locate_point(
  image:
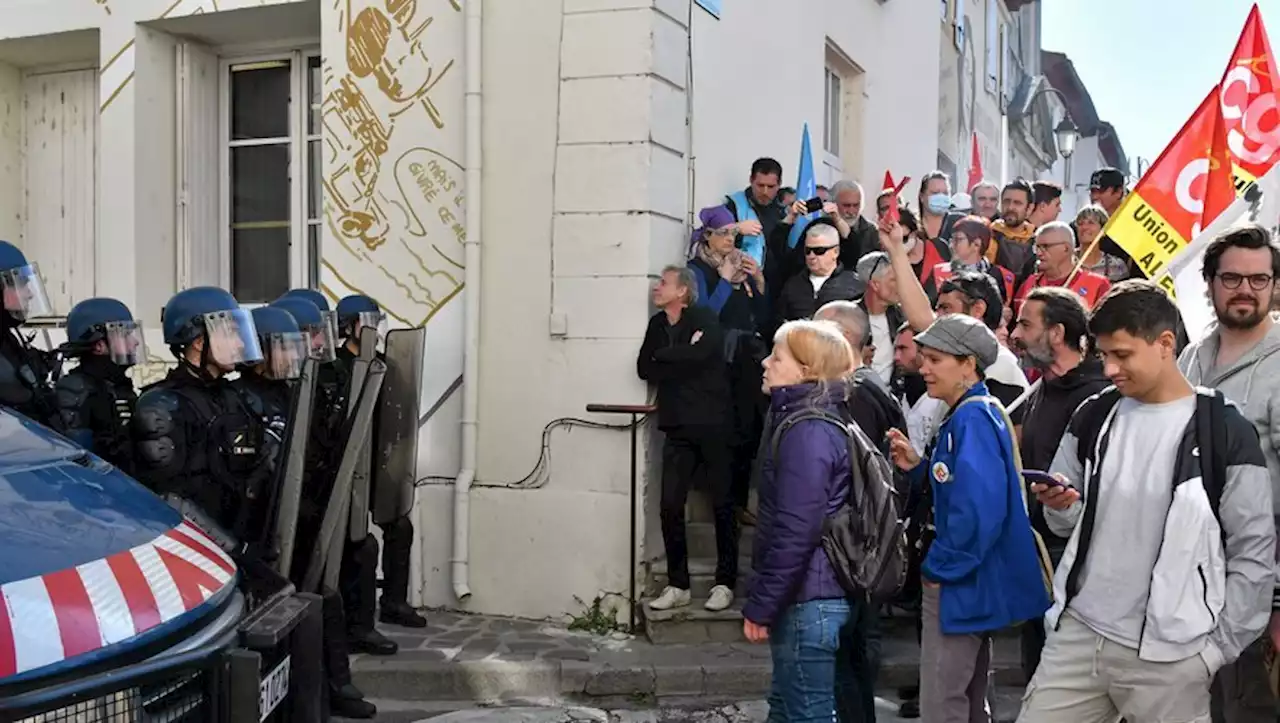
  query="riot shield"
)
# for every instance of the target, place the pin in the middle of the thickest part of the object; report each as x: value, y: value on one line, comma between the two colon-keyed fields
x: 293, y: 465
x: 336, y: 514
x: 359, y: 518
x: 395, y: 442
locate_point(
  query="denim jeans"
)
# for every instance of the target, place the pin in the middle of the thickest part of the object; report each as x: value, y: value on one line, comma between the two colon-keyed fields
x: 816, y: 667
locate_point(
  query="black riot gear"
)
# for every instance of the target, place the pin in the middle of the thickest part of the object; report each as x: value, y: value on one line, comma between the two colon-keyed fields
x: 96, y: 404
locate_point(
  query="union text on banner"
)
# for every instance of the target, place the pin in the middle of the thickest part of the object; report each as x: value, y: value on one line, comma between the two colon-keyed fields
x: 1249, y: 104
x: 1179, y: 194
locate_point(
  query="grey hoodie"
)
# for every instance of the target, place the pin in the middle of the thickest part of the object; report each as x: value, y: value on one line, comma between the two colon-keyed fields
x: 1253, y: 383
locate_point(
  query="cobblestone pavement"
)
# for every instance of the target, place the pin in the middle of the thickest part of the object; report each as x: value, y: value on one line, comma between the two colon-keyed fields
x: 492, y: 660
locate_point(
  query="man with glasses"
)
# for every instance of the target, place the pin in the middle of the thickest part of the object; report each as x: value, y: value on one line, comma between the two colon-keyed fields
x: 880, y: 302
x: 1055, y: 248
x: 824, y: 279
x: 1240, y: 357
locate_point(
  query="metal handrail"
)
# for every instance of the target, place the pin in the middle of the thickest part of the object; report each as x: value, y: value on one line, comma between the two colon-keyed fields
x: 637, y: 412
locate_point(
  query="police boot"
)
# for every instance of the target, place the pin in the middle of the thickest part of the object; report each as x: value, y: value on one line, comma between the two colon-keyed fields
x: 371, y: 642
x: 349, y: 702
x: 401, y: 613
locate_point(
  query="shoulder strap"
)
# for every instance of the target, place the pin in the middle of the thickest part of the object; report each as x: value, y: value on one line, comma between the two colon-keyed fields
x: 1211, y: 438
x: 795, y: 419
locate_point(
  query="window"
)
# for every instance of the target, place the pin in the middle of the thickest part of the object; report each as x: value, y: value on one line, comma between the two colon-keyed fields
x: 833, y: 103
x: 1006, y: 67
x: 945, y: 15
x: 961, y: 25
x: 271, y: 174
x: 992, y: 44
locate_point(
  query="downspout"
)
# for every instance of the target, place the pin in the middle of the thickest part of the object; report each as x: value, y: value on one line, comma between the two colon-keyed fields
x: 461, y: 558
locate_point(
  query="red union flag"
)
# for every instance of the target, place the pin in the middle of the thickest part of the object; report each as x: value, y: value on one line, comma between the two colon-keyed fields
x: 1249, y: 104
x: 1187, y: 187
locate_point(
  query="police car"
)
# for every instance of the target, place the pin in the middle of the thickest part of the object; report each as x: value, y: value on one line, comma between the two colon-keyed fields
x: 113, y: 607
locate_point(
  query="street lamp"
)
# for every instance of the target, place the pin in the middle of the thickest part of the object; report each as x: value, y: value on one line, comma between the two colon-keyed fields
x: 1066, y: 135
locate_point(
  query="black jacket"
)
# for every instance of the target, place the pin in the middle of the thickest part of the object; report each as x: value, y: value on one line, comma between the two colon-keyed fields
x: 1046, y: 414
x: 798, y: 300
x: 863, y: 238
x: 875, y: 411
x: 692, y: 379
x: 96, y: 402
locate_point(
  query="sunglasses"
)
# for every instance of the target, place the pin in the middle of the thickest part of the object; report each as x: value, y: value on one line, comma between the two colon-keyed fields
x: 817, y: 250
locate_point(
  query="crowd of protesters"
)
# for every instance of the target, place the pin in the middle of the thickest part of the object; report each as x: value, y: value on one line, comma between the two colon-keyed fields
x: 1059, y: 468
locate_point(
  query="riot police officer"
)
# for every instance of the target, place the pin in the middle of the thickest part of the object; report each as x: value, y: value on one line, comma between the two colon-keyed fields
x: 96, y: 399
x: 196, y: 442
x: 359, y: 574
x: 25, y: 372
x: 356, y: 313
x: 265, y: 387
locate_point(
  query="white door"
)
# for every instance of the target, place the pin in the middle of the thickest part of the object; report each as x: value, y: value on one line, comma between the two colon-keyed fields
x: 61, y: 112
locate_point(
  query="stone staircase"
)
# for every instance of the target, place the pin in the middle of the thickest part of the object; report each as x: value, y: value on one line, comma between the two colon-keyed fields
x: 694, y: 624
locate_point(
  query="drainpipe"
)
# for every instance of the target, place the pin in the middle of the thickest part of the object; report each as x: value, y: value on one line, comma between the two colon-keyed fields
x: 471, y: 320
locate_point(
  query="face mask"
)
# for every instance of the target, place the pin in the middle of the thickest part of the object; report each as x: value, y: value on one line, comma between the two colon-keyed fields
x: 939, y: 203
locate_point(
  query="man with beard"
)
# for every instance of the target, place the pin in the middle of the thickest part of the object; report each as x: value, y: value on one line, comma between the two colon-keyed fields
x: 858, y: 236
x: 1012, y: 233
x: 1240, y: 357
x: 1052, y: 337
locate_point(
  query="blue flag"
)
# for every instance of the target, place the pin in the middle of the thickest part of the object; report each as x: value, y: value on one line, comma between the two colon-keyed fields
x: 806, y: 188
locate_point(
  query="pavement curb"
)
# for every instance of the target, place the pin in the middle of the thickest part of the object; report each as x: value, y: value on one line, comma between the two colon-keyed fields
x: 499, y: 681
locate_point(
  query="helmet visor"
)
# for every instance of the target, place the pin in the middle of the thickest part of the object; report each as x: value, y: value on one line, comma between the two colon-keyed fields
x: 372, y: 320
x: 233, y: 339
x: 323, y: 338
x: 125, y: 344
x: 285, y: 354
x: 24, y: 293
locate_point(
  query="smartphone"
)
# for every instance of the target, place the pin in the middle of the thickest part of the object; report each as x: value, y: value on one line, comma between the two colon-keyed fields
x: 813, y: 205
x: 1042, y: 478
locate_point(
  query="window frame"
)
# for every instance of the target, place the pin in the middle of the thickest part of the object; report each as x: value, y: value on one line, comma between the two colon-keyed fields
x: 303, y: 265
x: 832, y: 102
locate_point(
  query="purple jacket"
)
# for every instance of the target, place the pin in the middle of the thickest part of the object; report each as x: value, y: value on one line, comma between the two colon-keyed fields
x: 807, y: 482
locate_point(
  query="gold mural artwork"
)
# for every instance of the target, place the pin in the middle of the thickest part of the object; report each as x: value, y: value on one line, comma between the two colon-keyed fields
x: 393, y: 204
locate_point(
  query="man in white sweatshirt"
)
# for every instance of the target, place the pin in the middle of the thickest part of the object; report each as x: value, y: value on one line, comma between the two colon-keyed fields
x: 1241, y: 358
x: 1163, y: 491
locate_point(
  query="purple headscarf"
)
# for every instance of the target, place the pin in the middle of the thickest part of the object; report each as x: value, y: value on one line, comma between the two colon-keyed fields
x: 710, y: 217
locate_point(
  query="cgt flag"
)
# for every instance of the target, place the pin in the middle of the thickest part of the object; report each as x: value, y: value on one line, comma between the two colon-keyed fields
x: 1187, y: 187
x: 1249, y: 105
x: 806, y: 188
x: 975, y: 165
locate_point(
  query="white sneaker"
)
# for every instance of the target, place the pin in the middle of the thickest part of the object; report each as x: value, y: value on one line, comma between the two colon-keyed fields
x: 672, y: 597
x: 720, y: 599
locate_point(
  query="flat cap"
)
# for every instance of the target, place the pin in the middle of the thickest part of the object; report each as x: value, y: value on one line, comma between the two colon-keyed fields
x: 961, y: 335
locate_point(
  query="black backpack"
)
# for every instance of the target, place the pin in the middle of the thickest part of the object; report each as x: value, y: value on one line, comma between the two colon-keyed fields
x: 866, y: 539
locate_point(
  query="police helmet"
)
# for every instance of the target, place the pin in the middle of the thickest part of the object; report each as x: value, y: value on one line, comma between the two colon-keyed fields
x: 320, y: 300
x: 358, y: 311
x: 23, y: 287
x: 283, y: 343
x: 109, y: 320
x: 313, y: 322
x: 212, y: 313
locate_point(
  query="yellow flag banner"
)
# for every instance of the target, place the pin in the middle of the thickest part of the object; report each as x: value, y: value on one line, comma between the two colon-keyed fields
x: 1186, y: 188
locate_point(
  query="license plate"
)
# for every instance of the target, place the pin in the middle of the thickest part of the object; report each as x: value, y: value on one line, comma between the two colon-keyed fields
x: 273, y: 689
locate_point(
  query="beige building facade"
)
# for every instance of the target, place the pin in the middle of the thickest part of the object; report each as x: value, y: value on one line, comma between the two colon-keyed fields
x: 509, y: 174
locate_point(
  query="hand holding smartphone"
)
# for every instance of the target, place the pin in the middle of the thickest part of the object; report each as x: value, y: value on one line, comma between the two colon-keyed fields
x: 813, y: 205
x: 1051, y: 490
x: 1036, y: 477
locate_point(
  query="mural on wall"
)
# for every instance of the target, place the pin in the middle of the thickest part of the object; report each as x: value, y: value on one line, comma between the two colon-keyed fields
x: 393, y: 141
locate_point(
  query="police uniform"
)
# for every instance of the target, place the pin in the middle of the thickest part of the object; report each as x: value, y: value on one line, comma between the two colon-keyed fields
x: 96, y: 403
x: 26, y: 373
x: 270, y: 400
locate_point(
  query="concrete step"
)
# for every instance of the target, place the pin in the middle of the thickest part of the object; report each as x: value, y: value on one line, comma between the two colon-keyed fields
x: 702, y: 577
x: 693, y: 624
x: 701, y: 538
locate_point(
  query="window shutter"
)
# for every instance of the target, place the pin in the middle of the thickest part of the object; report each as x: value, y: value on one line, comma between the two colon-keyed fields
x: 200, y: 256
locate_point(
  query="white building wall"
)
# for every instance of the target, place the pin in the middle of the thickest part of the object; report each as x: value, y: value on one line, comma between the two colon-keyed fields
x: 586, y: 187
x: 758, y: 77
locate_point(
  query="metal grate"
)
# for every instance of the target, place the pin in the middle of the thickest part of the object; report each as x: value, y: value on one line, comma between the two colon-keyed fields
x: 183, y: 699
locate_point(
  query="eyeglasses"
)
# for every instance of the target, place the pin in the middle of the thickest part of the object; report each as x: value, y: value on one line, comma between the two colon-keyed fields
x: 726, y: 231
x: 1046, y: 247
x: 817, y: 250
x: 1257, y: 282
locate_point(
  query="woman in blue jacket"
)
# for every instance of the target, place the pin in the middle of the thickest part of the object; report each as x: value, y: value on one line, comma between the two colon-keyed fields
x: 982, y: 571
x: 795, y: 601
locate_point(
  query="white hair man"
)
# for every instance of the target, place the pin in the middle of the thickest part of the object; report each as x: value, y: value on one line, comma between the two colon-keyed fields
x: 824, y: 279
x: 858, y: 236
x: 1057, y: 265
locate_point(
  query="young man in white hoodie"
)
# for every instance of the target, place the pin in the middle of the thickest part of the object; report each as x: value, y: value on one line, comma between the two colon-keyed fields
x: 1241, y: 358
x: 1163, y: 492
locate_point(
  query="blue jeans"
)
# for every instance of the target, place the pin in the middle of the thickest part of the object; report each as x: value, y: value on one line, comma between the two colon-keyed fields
x: 817, y: 669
